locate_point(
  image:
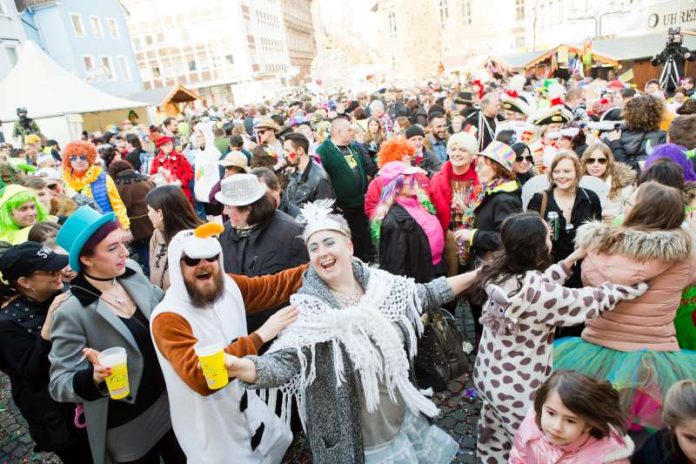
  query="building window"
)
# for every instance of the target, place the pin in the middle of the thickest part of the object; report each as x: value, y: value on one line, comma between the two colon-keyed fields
x: 12, y: 54
x: 108, y: 68
x: 444, y: 11
x: 192, y: 65
x: 124, y: 68
x: 519, y: 10
x: 136, y: 43
x: 156, y: 71
x: 96, y: 26
x: 466, y: 12
x: 88, y: 63
x: 78, y: 27
x: 113, y: 28
x: 392, y: 25
x: 229, y: 59
x: 148, y: 40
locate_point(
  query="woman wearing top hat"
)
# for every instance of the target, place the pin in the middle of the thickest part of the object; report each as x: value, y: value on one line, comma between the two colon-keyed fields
x: 34, y: 276
x: 110, y: 306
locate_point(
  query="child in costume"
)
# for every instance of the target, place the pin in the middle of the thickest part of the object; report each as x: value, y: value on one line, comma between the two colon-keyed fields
x: 574, y: 419
x: 634, y: 346
x: 524, y: 307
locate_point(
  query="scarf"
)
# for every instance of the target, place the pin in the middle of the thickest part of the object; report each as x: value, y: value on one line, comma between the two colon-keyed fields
x: 77, y: 181
x: 366, y: 332
x: 428, y: 222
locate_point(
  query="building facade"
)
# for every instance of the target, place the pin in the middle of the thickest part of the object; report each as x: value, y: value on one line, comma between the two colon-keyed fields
x: 551, y: 21
x: 90, y: 39
x: 299, y: 30
x: 218, y: 44
x: 11, y: 36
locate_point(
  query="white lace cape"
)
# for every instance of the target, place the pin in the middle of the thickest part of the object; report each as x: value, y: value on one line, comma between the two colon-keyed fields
x: 369, y: 336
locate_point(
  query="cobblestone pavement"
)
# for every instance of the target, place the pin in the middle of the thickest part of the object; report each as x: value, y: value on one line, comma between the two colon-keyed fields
x: 458, y: 416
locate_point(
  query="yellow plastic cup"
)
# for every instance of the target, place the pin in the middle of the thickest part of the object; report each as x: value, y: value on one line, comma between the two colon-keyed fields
x: 117, y: 382
x: 212, y: 358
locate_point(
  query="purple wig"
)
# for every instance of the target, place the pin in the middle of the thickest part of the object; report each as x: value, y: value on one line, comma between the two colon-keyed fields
x: 675, y: 153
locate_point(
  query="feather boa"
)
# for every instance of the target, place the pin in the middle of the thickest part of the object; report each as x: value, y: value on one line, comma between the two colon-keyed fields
x: 77, y: 182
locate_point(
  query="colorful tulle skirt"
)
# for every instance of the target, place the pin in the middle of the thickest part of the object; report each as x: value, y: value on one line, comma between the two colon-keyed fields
x: 641, y: 377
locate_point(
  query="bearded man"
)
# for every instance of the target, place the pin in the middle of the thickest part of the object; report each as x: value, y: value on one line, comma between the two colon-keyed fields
x: 230, y: 424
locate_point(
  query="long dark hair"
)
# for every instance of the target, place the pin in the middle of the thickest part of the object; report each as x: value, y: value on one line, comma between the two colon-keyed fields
x: 177, y: 212
x: 523, y: 238
x: 594, y: 401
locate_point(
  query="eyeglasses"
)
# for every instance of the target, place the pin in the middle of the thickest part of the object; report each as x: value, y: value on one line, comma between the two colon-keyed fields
x: 194, y: 261
x: 529, y: 159
x: 52, y: 186
x: 78, y: 158
x: 597, y: 160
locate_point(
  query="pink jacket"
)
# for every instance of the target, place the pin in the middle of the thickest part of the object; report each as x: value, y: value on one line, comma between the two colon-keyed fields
x: 531, y: 447
x: 374, y: 192
x: 663, y: 259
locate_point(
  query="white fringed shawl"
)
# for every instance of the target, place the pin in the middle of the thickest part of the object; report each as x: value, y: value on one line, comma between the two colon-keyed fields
x: 368, y: 334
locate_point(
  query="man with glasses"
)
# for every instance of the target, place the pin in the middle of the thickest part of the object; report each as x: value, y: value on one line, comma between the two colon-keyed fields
x: 267, y: 131
x: 203, y: 306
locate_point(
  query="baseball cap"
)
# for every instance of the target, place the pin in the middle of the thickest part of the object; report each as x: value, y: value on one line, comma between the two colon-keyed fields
x: 24, y: 259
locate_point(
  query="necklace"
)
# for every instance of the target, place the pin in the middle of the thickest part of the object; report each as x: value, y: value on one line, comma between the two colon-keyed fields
x: 348, y: 301
x: 118, y: 302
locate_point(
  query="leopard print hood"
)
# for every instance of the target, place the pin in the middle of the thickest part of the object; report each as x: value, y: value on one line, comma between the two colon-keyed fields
x: 662, y: 245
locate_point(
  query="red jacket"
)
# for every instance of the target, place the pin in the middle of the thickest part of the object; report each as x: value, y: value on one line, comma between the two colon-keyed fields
x: 374, y: 192
x: 440, y: 191
x: 178, y: 165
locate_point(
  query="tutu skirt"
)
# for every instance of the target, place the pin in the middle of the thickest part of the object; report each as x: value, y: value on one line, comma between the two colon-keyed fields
x: 418, y: 441
x: 641, y: 377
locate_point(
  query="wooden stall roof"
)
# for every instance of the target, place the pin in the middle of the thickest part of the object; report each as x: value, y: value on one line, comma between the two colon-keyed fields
x: 161, y: 96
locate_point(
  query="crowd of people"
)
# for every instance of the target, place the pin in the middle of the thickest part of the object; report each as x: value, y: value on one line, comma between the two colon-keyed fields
x: 312, y: 239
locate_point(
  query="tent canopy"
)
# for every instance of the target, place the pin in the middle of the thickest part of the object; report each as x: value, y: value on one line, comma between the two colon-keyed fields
x: 519, y: 61
x: 46, y: 89
x: 161, y: 96
x: 637, y: 47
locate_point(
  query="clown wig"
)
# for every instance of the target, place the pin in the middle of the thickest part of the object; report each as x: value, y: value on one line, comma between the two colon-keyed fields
x: 7, y: 222
x: 394, y: 150
x: 79, y: 147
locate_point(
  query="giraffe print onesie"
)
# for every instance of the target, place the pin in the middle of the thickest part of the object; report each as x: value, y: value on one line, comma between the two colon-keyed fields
x: 514, y: 358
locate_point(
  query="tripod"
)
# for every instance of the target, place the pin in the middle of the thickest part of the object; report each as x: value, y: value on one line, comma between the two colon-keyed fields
x: 669, y: 79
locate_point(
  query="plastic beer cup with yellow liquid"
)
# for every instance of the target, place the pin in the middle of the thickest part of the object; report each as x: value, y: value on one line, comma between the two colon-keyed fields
x: 212, y: 358
x: 117, y: 382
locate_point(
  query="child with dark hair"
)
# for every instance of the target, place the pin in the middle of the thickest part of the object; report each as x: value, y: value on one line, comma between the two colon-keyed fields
x: 675, y: 444
x: 524, y: 306
x: 574, y: 419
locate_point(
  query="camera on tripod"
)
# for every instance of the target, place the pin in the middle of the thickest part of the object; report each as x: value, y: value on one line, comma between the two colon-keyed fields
x: 673, y: 57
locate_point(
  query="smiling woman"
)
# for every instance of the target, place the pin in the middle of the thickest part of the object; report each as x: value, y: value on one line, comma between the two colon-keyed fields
x: 110, y: 306
x: 346, y: 358
x: 573, y: 204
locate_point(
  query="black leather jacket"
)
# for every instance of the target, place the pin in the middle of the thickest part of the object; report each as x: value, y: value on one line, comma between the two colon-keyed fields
x: 310, y: 185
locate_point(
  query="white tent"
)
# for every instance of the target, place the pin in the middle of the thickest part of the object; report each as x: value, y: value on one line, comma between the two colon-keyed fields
x: 53, y: 96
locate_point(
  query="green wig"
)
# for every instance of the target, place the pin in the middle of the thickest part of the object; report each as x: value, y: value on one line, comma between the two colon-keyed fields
x: 14, y: 202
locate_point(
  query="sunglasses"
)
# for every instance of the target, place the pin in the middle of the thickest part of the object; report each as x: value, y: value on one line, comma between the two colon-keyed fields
x: 52, y: 186
x: 529, y: 159
x: 78, y: 158
x: 597, y: 160
x: 194, y: 261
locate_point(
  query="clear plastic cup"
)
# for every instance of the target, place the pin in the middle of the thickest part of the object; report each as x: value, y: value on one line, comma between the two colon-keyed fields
x: 117, y: 383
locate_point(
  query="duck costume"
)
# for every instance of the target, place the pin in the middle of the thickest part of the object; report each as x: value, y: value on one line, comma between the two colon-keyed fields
x: 213, y: 426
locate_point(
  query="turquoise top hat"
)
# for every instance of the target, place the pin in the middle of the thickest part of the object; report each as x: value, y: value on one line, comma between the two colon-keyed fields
x: 79, y: 227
